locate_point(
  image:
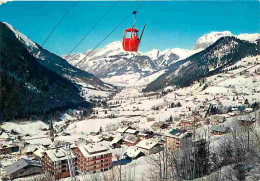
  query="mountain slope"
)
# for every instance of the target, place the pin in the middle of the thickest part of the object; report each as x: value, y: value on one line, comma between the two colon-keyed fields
x: 58, y: 64
x: 28, y: 88
x: 112, y: 62
x: 224, y: 52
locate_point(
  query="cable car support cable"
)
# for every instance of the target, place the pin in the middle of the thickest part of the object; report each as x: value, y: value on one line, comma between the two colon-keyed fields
x: 109, y: 34
x: 59, y: 22
x: 92, y: 28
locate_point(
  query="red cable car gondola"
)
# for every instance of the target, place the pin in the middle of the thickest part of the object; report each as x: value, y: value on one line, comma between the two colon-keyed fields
x: 130, y: 40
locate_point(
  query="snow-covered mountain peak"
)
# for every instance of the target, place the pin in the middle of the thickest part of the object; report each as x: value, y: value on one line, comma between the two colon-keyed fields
x: 184, y: 53
x: 208, y: 39
x: 153, y: 54
x: 249, y: 37
x: 114, y: 45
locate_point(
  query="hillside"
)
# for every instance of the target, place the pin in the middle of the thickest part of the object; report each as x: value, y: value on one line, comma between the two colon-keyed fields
x: 58, y: 64
x: 28, y: 88
x: 225, y: 51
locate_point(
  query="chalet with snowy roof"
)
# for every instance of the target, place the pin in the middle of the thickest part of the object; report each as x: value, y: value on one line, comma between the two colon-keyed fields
x: 159, y: 125
x: 247, y: 121
x: 4, y: 136
x: 55, y: 162
x: 30, y: 149
x: 145, y: 134
x: 248, y: 110
x: 8, y: 147
x: 231, y: 114
x: 93, y: 158
x: 82, y: 141
x: 149, y: 146
x: 217, y: 119
x: 188, y: 125
x: 131, y: 140
x: 133, y: 153
x: 177, y: 139
x: 59, y: 126
x: 117, y: 142
x: 23, y: 168
x: 122, y: 130
x: 132, y: 131
x: 39, y: 152
x: 219, y: 129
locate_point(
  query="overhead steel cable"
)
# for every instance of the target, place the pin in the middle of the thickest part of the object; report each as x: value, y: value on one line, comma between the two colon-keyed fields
x: 101, y: 18
x: 59, y: 22
x: 109, y: 34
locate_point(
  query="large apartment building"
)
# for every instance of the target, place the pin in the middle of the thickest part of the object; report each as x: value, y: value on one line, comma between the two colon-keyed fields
x: 93, y: 158
x: 55, y: 162
x: 177, y: 139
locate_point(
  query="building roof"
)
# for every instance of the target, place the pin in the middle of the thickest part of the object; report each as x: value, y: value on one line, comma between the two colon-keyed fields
x: 59, y: 154
x: 216, y: 117
x: 31, y: 148
x: 248, y: 120
x: 158, y: 124
x: 40, y: 151
x: 21, y: 164
x: 93, y: 149
x: 178, y: 133
x: 132, y: 152
x: 131, y: 138
x: 4, y: 136
x: 132, y: 131
x: 147, y: 144
x: 122, y: 129
x: 219, y: 128
x: 116, y: 139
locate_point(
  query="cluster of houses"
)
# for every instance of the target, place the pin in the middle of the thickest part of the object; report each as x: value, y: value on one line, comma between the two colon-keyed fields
x: 54, y: 160
x: 57, y: 158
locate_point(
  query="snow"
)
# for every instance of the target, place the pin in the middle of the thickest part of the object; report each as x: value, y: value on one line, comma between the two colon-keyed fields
x: 153, y: 54
x: 134, y: 79
x: 89, y: 125
x: 59, y: 154
x: 89, y: 149
x: 116, y: 66
x: 4, y: 1
x: 184, y: 53
x: 31, y: 128
x: 135, y: 106
x: 249, y: 37
x: 147, y: 144
x: 208, y: 39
